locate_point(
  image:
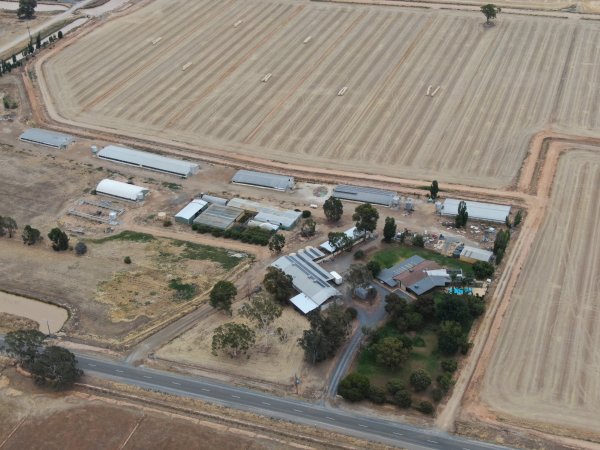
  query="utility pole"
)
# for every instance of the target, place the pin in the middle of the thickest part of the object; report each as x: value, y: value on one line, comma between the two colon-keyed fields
x: 29, y: 31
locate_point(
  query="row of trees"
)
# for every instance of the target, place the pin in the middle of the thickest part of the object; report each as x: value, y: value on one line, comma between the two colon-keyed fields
x: 49, y: 365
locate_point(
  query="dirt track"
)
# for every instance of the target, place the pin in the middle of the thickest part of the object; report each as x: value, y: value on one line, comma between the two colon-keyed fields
x: 497, y: 86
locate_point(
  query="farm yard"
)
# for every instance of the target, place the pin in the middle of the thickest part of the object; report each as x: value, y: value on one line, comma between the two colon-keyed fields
x: 201, y: 85
x: 544, y: 367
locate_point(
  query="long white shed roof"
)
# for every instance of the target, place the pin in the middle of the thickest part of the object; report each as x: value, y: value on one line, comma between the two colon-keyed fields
x: 476, y: 253
x: 46, y: 137
x: 121, y: 190
x: 148, y: 160
x: 264, y: 179
x: 477, y: 210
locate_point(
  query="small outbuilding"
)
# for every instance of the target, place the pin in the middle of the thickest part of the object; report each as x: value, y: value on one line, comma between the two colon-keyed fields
x: 282, y: 218
x: 122, y: 191
x: 191, y: 211
x: 47, y: 138
x: 474, y: 254
x: 263, y: 180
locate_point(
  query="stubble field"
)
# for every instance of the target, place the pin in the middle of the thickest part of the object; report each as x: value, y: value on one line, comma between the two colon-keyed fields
x: 498, y: 86
x: 546, y: 366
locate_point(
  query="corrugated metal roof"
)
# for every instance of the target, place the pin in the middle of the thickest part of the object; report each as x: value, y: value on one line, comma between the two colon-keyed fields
x: 304, y: 303
x: 309, y: 279
x: 365, y: 194
x: 119, y: 189
x: 46, y: 137
x: 427, y: 284
x: 215, y: 200
x: 191, y: 210
x: 263, y: 179
x: 218, y: 216
x: 476, y: 253
x: 148, y: 160
x: 285, y: 218
x: 477, y: 210
x: 387, y: 275
x: 352, y: 233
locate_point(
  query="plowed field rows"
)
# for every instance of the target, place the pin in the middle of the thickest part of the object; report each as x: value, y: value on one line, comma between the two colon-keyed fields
x: 498, y: 86
x: 546, y: 364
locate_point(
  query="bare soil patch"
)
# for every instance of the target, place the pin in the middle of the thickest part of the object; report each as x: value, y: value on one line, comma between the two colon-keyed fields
x: 12, y: 27
x: 271, y: 361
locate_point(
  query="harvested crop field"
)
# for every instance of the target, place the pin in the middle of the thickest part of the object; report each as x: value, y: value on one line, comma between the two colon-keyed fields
x: 192, y: 73
x: 546, y: 366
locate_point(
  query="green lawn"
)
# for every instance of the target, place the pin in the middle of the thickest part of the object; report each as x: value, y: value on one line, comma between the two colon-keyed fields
x: 395, y: 253
x: 426, y: 357
x: 133, y: 236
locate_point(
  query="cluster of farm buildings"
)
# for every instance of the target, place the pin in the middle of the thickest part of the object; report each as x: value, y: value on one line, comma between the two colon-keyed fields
x: 315, y: 285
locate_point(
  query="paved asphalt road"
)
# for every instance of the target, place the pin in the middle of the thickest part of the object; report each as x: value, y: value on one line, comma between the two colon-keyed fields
x: 369, y: 427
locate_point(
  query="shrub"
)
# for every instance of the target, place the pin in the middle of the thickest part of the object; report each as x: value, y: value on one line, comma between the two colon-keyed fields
x: 394, y: 386
x: 306, y: 214
x: 354, y: 387
x: 449, y: 365
x: 418, y: 241
x: 420, y: 380
x: 127, y: 260
x: 80, y: 248
x: 374, y: 267
x: 60, y: 34
x: 445, y: 382
x: 483, y: 269
x: 425, y: 407
x: 359, y: 254
x: 351, y: 312
x: 167, y: 223
x: 403, y: 399
x: 437, y: 394
x: 376, y: 395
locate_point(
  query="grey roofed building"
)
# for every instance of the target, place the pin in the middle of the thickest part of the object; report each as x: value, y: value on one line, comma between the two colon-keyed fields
x: 147, y: 160
x: 218, y: 216
x: 428, y: 283
x: 365, y: 195
x: 191, y: 211
x: 472, y: 254
x: 216, y: 200
x: 284, y: 218
x: 477, y: 210
x: 263, y: 179
x: 47, y: 138
x: 387, y: 275
x: 309, y: 279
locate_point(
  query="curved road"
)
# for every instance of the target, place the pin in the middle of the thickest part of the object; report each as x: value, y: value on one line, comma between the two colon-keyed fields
x: 298, y: 411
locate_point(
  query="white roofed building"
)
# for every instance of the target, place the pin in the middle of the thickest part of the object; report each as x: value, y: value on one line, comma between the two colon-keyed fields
x: 477, y: 210
x: 147, y: 160
x: 474, y: 254
x: 191, y: 211
x: 309, y: 279
x: 123, y: 191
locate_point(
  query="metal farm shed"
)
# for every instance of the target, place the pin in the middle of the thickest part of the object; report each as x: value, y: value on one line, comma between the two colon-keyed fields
x: 479, y: 211
x: 365, y: 195
x: 474, y: 254
x: 191, y: 211
x: 263, y: 180
x: 218, y: 216
x: 284, y: 218
x: 47, y: 138
x: 150, y: 161
x: 123, y: 191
